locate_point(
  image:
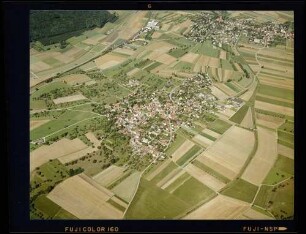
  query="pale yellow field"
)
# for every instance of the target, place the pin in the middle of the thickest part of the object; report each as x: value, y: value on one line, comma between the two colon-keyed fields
x: 226, y: 74
x: 165, y: 59
x: 39, y: 66
x: 162, y: 46
x: 159, y: 69
x: 269, y: 118
x: 227, y: 112
x: 274, y: 108
x: 84, y: 200
x: 253, y: 214
x: 187, y: 145
x: 254, y: 67
x: 71, y: 98
x: 277, y: 53
x: 222, y: 54
x: 189, y: 57
x: 280, y: 70
x: 165, y: 27
x: 94, y: 40
x: 74, y: 79
x: 275, y: 98
x: 132, y: 25
x: 202, y: 140
x: 33, y: 51
x: 133, y: 71
x: 36, y: 123
x: 92, y: 138
x: 231, y: 151
x: 124, y: 51
x: 184, y: 24
x: 92, y: 82
x: 204, y: 177
x: 156, y: 35
x: 56, y: 150
x: 67, y: 59
x: 199, y: 66
x: 109, y: 60
x: 76, y: 155
x: 72, y: 52
x: 152, y: 174
x: 238, y: 67
x: 227, y: 172
x: 247, y: 121
x: 218, y: 93
x: 264, y: 158
x: 211, y: 133
x: 109, y: 175
x: 219, y: 208
x: 214, y: 62
x: 248, y: 94
x: 285, y: 151
x: 284, y: 83
x: 225, y: 89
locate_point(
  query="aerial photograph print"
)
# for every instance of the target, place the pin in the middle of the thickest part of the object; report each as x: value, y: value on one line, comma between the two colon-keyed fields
x: 161, y: 115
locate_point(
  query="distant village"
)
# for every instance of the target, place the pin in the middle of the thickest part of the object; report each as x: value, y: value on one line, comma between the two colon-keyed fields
x: 223, y: 30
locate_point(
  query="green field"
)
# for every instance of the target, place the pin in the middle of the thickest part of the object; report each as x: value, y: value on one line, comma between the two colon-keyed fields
x: 282, y: 169
x: 276, y: 92
x: 178, y: 52
x: 239, y: 115
x: 187, y: 156
x: 261, y: 211
x: 205, y: 48
x: 66, y: 119
x: 242, y: 190
x: 226, y: 65
x: 288, y: 126
x: 46, y: 206
x: 183, y: 66
x: 219, y: 126
x: 125, y: 190
x: 208, y: 136
x: 285, y: 143
x: 52, y: 61
x: 116, y: 205
x: 276, y: 102
x: 42, y: 181
x: 163, y: 173
x: 179, y: 140
x: 178, y: 182
x: 47, y: 88
x: 38, y: 104
x: 143, y: 63
x: 63, y: 214
x: 285, y: 136
x: 275, y: 60
x: 194, y: 189
x: 210, y: 171
x: 151, y: 202
x: 232, y: 87
x: 278, y: 199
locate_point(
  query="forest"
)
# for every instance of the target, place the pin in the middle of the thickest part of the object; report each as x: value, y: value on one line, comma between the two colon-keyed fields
x: 54, y: 26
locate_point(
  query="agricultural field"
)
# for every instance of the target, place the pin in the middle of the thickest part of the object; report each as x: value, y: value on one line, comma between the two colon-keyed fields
x: 263, y: 159
x: 162, y: 115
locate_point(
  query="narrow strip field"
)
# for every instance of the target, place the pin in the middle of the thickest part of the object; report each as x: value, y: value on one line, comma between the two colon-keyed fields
x: 264, y: 158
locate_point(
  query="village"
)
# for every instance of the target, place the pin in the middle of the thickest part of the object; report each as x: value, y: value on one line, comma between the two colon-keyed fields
x: 224, y: 30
